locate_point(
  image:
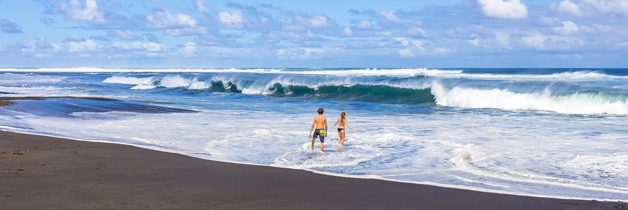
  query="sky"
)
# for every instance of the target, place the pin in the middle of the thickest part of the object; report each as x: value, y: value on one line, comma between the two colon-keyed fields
x: 314, y: 34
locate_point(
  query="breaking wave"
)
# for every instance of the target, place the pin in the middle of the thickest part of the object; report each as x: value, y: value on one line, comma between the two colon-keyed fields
x: 353, y: 92
x: 399, y: 92
x: 367, y: 93
x: 587, y: 103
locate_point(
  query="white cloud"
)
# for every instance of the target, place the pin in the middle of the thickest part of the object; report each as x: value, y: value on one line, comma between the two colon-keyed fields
x: 40, y: 48
x: 475, y: 42
x: 569, y: 7
x: 30, y: 46
x: 440, y: 51
x: 300, y: 53
x: 85, y: 45
x: 416, y: 31
x: 506, y: 9
x: 89, y: 47
x: 316, y: 22
x: 90, y: 13
x: 597, y: 29
x: 124, y: 34
x: 200, y: 6
x: 540, y: 41
x: 234, y: 52
x: 167, y: 20
x: 142, y: 46
x: 414, y: 48
x: 549, y: 21
x: 503, y: 39
x: 365, y: 24
x: 614, y: 7
x: 592, y: 7
x: 535, y: 40
x: 347, y: 31
x: 567, y: 27
x: 390, y: 16
x: 232, y: 19
x: 498, y: 41
x: 405, y: 53
x: 189, y: 49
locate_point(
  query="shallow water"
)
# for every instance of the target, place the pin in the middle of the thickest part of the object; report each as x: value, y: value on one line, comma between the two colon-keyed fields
x: 542, y: 132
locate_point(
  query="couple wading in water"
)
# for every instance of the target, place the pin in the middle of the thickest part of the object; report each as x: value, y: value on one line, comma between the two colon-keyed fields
x: 320, y: 123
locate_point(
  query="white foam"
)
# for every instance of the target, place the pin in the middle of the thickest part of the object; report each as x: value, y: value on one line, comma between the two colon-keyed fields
x: 341, y: 72
x: 199, y: 85
x: 143, y: 87
x: 611, y: 167
x: 576, y: 103
x: 505, y: 152
x: 377, y: 72
x: 466, y: 154
x: 13, y: 79
x: 173, y: 81
x: 563, y: 76
x: 259, y: 86
x: 45, y: 91
x: 582, y: 75
x: 435, y: 149
x: 130, y: 80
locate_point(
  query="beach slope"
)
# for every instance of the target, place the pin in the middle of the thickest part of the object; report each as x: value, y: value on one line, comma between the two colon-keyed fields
x: 51, y: 173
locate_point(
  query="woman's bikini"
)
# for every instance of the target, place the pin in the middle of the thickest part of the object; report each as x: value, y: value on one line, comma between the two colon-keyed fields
x: 341, y: 126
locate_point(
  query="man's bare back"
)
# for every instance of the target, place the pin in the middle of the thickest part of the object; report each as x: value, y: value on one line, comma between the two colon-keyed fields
x: 320, y: 121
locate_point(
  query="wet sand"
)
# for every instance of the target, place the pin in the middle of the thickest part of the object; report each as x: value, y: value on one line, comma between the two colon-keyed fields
x: 5, y: 103
x: 69, y: 104
x: 40, y: 172
x: 49, y: 97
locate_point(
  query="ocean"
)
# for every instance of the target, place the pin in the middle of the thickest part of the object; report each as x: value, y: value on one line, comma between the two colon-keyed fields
x: 542, y: 132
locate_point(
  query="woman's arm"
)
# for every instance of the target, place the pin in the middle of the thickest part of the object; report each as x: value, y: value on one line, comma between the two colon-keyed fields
x: 337, y: 121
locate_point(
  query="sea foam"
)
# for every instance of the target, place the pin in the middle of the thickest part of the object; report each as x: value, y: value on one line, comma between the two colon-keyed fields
x: 595, y: 103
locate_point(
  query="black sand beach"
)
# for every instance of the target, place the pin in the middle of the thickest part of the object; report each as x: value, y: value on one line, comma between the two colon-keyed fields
x: 51, y: 173
x: 63, y: 105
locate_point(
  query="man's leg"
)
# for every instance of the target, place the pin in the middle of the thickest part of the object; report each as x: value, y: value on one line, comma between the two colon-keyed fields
x: 322, y: 143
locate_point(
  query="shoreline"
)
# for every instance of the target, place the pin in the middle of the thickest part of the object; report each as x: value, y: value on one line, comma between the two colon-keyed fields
x: 432, y: 184
x: 9, y: 100
x: 33, y: 164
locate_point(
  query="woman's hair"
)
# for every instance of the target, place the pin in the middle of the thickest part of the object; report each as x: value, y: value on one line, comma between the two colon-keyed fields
x: 342, y: 115
x: 320, y: 110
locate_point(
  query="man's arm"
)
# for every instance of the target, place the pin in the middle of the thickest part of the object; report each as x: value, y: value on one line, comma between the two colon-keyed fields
x: 326, y: 124
x: 312, y: 127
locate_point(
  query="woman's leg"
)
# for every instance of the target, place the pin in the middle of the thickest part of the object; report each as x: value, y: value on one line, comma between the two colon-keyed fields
x: 342, y: 137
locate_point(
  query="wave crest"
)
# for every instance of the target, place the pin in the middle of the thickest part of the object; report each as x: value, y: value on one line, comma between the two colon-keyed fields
x: 587, y: 103
x: 367, y: 93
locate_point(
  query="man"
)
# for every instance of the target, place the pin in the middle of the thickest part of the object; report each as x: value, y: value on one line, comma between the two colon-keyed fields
x: 321, y: 128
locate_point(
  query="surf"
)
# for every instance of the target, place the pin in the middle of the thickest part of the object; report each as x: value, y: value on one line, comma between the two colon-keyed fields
x: 584, y: 103
x: 394, y: 90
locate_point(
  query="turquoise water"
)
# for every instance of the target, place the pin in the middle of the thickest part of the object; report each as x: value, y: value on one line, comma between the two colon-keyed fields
x: 542, y: 132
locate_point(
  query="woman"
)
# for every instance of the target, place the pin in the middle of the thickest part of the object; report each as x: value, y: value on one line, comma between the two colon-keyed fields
x: 342, y: 123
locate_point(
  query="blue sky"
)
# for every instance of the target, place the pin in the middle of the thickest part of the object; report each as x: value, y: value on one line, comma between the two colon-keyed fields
x: 314, y: 34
